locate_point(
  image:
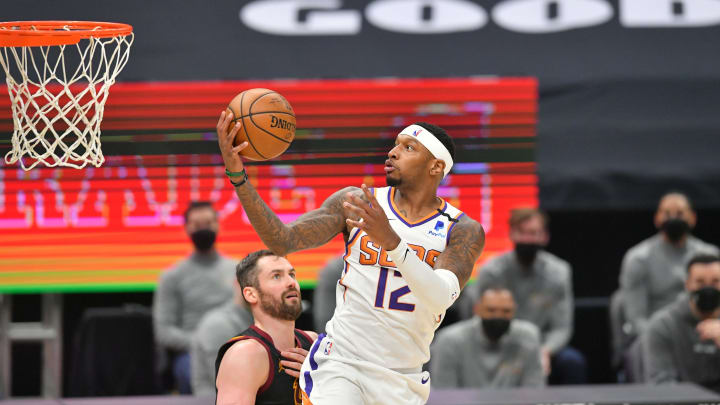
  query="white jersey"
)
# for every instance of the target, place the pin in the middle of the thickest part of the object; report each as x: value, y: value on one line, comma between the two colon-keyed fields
x: 377, y: 318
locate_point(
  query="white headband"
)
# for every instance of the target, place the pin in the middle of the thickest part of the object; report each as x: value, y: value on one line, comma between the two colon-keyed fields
x: 431, y: 143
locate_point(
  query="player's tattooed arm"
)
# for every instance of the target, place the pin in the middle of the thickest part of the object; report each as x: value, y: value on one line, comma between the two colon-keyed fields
x: 312, y: 229
x: 317, y: 227
x: 467, y: 240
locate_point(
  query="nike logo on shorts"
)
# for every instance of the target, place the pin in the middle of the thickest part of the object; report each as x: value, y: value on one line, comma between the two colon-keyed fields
x: 425, y: 379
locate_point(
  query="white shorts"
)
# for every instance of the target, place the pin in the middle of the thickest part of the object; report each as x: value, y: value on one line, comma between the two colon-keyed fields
x: 329, y: 378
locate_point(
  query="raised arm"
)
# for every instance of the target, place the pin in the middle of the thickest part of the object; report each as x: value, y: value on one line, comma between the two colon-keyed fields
x: 314, y: 228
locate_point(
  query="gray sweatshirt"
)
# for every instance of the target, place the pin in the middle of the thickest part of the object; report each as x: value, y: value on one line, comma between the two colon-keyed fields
x: 186, y: 292
x: 673, y: 351
x: 215, y: 328
x: 324, y: 294
x: 543, y: 294
x: 653, y: 274
x: 463, y: 357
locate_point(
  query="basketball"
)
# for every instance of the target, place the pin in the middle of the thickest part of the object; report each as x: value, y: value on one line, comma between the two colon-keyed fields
x: 268, y: 123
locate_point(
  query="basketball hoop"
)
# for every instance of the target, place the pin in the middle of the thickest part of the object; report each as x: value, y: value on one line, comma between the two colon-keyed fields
x: 58, y: 91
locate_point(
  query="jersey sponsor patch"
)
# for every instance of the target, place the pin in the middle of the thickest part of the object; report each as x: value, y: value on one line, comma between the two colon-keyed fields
x: 437, y: 231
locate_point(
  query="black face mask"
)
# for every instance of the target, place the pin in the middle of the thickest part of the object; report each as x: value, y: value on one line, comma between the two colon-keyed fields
x: 675, y: 229
x: 203, y: 239
x: 494, y: 328
x: 707, y: 299
x: 526, y: 252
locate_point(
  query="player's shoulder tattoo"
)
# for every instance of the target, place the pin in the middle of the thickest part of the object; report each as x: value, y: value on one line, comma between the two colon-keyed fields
x: 317, y: 227
x: 468, y: 230
x: 335, y: 202
x: 464, y: 248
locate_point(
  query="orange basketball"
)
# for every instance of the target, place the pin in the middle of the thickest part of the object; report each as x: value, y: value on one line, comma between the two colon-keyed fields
x: 268, y: 123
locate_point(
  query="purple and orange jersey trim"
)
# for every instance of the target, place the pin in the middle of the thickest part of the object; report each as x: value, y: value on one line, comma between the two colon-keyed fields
x: 401, y: 217
x: 452, y: 225
x: 349, y: 243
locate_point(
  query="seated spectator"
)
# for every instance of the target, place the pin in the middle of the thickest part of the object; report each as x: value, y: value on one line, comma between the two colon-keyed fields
x: 653, y: 271
x: 324, y: 294
x: 191, y: 288
x: 490, y: 350
x: 682, y: 341
x: 216, y: 328
x: 542, y: 286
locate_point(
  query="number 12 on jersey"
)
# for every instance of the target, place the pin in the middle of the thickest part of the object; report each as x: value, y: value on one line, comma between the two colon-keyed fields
x: 394, y: 302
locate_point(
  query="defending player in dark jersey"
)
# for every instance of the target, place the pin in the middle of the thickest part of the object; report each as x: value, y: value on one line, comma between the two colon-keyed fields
x: 249, y: 367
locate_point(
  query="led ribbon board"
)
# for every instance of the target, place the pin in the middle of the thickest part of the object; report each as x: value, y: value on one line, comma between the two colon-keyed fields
x: 116, y: 228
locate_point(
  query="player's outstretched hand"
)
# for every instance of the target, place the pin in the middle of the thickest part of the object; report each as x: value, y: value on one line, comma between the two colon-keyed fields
x: 370, y: 217
x: 230, y: 153
x: 294, y: 359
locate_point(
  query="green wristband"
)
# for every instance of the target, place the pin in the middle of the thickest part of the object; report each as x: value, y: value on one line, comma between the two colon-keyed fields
x: 235, y: 174
x: 242, y: 174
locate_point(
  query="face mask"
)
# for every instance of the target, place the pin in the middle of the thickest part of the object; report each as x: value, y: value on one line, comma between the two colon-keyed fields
x: 526, y: 252
x: 203, y: 239
x: 675, y: 228
x: 707, y: 299
x: 494, y: 328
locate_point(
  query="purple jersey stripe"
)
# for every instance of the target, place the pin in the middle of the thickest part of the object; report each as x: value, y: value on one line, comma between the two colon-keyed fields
x: 382, y: 282
x: 447, y: 240
x: 352, y: 237
x: 313, y: 365
x: 402, y: 219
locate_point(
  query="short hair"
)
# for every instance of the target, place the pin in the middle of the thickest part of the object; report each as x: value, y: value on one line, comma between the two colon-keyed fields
x: 197, y: 205
x: 494, y: 285
x: 441, y: 136
x: 702, y: 258
x: 677, y: 193
x: 247, y: 270
x: 496, y: 288
x: 520, y: 215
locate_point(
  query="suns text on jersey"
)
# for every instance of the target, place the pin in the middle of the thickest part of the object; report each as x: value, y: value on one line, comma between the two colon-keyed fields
x: 372, y: 254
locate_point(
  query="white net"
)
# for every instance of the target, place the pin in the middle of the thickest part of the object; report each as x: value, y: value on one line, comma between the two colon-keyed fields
x: 58, y: 96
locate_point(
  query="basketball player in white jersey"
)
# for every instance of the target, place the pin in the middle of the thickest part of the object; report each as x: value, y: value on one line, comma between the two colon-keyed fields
x: 408, y: 255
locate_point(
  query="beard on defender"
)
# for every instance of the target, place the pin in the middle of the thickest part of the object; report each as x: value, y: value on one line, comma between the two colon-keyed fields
x: 284, y: 308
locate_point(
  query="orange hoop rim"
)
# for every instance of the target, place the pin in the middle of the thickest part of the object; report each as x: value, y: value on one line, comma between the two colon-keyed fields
x: 49, y: 33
